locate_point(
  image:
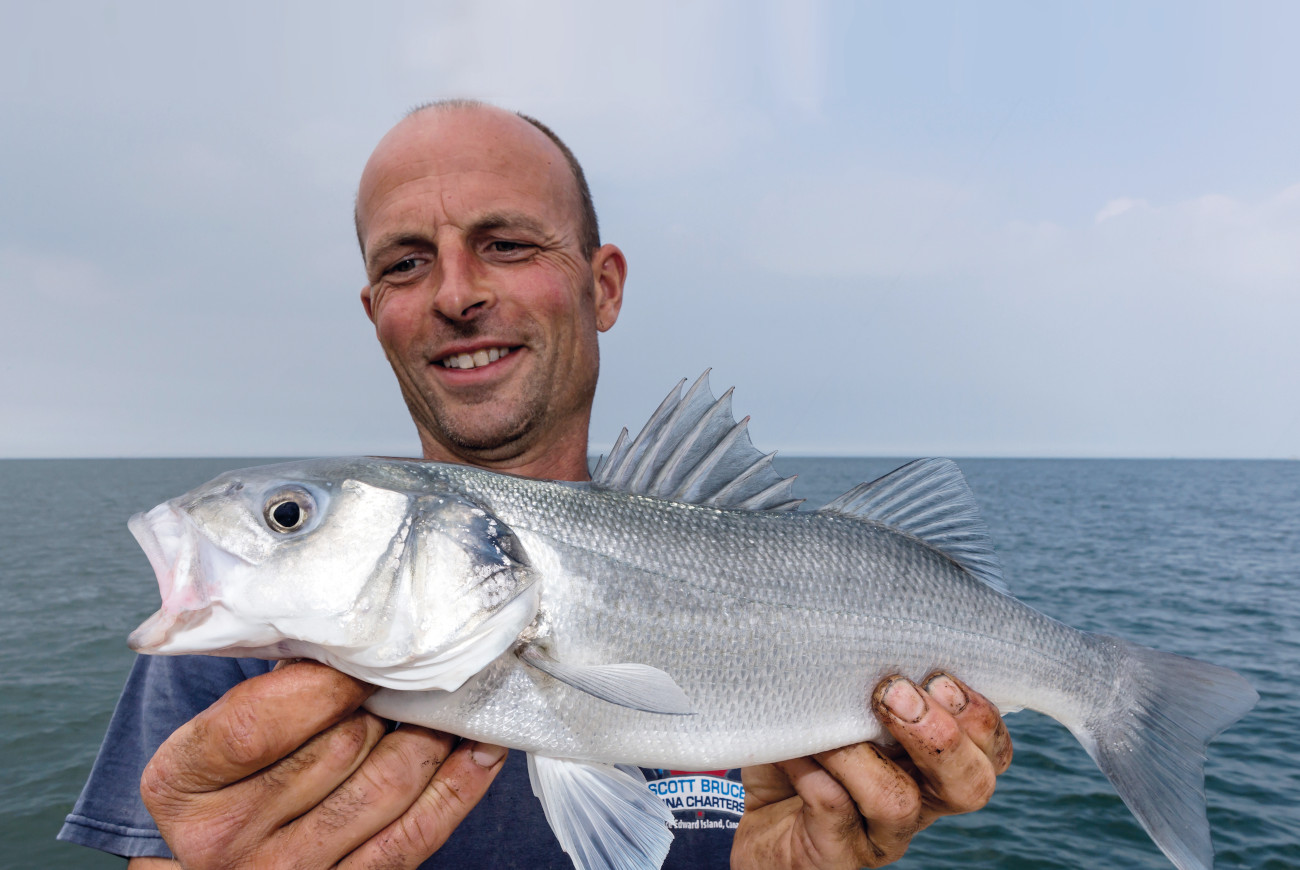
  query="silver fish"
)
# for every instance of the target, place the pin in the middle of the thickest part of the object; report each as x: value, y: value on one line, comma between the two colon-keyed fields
x: 676, y: 612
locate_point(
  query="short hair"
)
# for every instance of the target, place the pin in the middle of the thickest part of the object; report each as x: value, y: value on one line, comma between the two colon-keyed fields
x: 588, y: 226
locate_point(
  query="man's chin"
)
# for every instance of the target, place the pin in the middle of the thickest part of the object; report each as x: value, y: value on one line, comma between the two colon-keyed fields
x: 478, y: 440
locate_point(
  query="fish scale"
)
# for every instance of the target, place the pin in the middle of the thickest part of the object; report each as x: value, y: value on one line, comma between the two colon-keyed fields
x: 601, y: 625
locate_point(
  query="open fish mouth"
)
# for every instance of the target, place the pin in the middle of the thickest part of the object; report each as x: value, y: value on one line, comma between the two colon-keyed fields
x: 162, y: 534
x: 171, y: 544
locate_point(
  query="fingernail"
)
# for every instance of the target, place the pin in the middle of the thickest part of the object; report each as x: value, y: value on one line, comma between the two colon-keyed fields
x: 902, y: 700
x: 487, y: 754
x: 945, y: 690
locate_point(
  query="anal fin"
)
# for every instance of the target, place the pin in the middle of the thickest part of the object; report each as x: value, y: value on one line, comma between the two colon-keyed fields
x: 603, y: 814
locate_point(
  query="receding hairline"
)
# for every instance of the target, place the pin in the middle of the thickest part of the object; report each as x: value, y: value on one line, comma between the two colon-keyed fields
x: 588, y: 227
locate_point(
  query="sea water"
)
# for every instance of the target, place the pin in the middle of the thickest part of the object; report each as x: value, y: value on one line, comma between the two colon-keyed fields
x: 1195, y: 557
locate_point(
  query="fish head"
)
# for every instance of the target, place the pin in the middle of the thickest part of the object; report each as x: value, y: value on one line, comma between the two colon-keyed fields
x: 336, y: 561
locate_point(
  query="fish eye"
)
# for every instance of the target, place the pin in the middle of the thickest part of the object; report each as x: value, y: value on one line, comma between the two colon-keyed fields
x: 287, y: 510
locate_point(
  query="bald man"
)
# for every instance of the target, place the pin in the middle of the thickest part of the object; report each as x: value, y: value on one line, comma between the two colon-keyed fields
x: 487, y: 285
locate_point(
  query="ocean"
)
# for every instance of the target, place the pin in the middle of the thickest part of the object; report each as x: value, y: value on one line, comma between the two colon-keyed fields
x: 1190, y: 556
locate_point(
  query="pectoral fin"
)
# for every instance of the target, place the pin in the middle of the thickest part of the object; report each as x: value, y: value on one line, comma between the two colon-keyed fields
x: 603, y: 815
x: 639, y: 687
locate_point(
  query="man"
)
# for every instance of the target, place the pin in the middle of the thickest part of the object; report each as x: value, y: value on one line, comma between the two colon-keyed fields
x: 487, y: 286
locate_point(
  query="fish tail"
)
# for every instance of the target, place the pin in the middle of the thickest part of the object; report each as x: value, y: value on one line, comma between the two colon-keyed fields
x: 1151, y: 746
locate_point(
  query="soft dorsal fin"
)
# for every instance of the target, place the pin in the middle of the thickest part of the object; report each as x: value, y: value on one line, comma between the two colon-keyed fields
x: 929, y: 500
x: 693, y: 450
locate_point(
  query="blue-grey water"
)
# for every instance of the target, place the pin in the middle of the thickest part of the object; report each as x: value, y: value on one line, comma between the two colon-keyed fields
x: 1195, y: 557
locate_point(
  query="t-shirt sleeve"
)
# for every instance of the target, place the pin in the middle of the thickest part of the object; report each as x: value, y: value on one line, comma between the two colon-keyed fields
x: 161, y: 694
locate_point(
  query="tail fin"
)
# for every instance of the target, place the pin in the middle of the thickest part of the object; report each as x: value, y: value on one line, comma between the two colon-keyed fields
x: 1153, y: 749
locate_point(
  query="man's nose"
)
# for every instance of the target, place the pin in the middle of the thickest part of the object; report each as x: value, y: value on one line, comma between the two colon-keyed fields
x: 463, y: 290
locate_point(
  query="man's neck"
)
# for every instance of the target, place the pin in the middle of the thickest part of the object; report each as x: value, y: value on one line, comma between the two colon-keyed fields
x: 563, y: 460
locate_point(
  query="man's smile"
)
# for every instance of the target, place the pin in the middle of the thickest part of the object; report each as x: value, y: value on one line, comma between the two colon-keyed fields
x: 473, y: 359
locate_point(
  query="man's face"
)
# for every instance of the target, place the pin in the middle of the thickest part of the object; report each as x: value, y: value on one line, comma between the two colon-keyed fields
x: 478, y: 288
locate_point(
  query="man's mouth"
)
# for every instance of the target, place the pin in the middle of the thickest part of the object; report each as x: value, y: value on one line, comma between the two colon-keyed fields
x: 478, y: 358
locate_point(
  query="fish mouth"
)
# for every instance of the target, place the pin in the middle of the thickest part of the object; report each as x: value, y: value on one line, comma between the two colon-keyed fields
x: 171, y: 544
x: 168, y: 543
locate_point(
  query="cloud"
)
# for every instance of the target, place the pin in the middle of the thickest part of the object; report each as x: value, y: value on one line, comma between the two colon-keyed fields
x: 1211, y: 241
x: 797, y: 39
x: 33, y: 282
x: 1117, y: 207
x: 859, y: 225
x: 862, y: 224
x: 901, y: 308
x: 643, y: 90
x: 557, y: 66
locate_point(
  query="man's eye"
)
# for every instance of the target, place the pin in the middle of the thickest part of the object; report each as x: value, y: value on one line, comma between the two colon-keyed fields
x: 504, y: 247
x: 402, y: 266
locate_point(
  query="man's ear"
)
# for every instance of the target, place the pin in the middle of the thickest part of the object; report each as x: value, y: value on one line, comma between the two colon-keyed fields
x: 609, y: 272
x: 366, y: 303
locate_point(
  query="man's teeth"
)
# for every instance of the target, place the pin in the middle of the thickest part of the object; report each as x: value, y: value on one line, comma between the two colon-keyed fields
x: 475, y: 359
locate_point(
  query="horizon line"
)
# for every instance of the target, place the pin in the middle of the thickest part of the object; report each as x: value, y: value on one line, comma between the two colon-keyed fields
x: 595, y: 455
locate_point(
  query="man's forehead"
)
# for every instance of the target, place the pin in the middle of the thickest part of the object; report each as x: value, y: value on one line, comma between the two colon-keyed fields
x: 480, y: 141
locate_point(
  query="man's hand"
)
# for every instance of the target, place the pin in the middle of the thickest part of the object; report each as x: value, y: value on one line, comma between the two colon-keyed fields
x: 286, y: 769
x: 860, y: 806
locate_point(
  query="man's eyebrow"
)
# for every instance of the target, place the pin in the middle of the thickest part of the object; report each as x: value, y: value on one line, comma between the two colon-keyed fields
x: 395, y: 240
x: 498, y: 220
x: 495, y: 220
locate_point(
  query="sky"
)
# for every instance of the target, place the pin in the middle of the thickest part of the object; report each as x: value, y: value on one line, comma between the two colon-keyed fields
x: 954, y: 229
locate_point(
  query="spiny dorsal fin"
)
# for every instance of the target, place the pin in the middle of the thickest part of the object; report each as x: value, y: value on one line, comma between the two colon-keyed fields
x: 693, y: 450
x: 928, y: 499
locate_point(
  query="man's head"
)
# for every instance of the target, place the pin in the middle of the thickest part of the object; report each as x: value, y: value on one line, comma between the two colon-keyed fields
x: 487, y: 286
